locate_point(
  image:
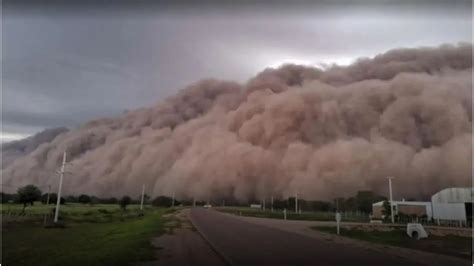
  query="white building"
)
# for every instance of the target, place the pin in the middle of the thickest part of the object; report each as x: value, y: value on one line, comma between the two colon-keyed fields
x: 418, y: 208
x: 452, y: 204
x: 447, y: 206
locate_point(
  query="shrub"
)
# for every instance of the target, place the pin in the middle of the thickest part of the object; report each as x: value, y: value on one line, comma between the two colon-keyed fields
x: 164, y: 201
x: 124, y: 201
x: 53, y: 197
x: 84, y: 199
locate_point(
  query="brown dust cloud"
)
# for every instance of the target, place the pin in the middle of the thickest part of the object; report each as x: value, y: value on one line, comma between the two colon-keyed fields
x: 319, y: 132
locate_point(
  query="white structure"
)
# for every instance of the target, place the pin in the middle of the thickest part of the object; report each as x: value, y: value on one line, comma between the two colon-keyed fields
x: 407, y: 207
x: 256, y: 206
x: 416, y: 231
x: 452, y: 204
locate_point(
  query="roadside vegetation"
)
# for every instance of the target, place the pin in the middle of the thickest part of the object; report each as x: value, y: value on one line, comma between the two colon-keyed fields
x: 89, y: 233
x: 451, y: 245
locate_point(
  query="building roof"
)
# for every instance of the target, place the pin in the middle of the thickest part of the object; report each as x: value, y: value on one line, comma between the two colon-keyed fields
x: 453, y: 195
x: 416, y: 203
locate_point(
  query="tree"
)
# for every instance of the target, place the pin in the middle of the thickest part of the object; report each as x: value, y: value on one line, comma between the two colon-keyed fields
x: 28, y: 194
x: 8, y: 198
x: 53, y: 197
x: 162, y: 201
x: 71, y: 199
x: 146, y: 198
x: 280, y: 204
x: 124, y: 201
x: 84, y: 199
x: 387, y: 212
x: 109, y: 200
x: 365, y: 199
x: 94, y: 200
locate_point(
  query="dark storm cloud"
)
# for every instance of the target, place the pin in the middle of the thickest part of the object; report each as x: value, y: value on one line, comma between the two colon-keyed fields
x: 65, y: 64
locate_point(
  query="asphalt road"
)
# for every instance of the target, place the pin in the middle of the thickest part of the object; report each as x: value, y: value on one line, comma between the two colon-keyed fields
x: 244, y: 243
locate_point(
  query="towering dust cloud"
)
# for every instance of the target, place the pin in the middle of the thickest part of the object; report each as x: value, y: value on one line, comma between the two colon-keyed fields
x: 323, y: 133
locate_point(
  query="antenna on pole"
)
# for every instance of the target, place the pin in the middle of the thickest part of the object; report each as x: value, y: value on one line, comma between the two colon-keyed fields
x: 58, y: 201
x: 143, y: 196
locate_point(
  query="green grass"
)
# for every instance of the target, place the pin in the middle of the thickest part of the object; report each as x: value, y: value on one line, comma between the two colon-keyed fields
x: 69, y: 208
x: 278, y: 214
x: 449, y: 245
x: 94, y: 235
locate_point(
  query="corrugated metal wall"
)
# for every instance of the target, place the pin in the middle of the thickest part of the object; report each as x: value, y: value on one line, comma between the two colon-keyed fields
x: 449, y: 211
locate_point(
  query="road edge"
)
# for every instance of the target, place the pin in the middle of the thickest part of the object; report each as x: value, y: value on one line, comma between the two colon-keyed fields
x: 226, y: 259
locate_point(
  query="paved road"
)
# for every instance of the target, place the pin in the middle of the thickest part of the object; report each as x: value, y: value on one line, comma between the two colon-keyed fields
x: 244, y: 243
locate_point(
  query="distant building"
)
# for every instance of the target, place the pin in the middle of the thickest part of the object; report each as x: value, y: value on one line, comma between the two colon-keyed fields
x: 453, y: 204
x: 447, y: 206
x: 418, y: 208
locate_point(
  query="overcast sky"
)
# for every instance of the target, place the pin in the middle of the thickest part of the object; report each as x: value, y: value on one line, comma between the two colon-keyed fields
x: 62, y: 66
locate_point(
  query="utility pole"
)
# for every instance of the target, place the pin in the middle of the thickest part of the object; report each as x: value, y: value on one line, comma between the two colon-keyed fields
x: 172, y: 202
x: 47, y: 204
x: 143, y: 196
x: 47, y: 199
x: 272, y: 202
x: 296, y: 202
x: 391, y: 199
x: 264, y: 203
x: 58, y: 201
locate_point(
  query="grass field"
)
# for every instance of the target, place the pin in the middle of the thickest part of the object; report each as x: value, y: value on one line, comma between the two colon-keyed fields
x: 278, y: 214
x: 101, y: 234
x: 449, y: 245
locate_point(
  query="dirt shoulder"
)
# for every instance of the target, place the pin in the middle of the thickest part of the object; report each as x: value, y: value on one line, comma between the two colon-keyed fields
x: 182, y: 244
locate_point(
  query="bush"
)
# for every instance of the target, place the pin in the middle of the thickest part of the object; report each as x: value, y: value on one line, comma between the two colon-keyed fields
x: 164, y: 201
x: 53, y: 197
x: 124, y: 201
x: 109, y: 200
x: 71, y: 199
x: 84, y: 199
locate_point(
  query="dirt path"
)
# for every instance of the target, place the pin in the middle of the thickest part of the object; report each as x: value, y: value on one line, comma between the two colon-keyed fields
x: 182, y: 245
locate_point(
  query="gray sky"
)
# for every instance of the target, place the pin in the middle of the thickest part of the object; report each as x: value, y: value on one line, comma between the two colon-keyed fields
x: 64, y: 65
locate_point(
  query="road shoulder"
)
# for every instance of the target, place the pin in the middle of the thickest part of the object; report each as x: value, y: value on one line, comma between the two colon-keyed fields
x: 182, y: 245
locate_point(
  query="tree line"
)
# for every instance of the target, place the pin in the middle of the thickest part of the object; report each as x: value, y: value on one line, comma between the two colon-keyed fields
x: 30, y: 194
x: 361, y: 202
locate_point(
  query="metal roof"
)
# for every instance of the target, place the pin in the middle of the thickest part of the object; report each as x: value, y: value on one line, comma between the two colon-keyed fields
x: 453, y: 195
x: 416, y: 203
